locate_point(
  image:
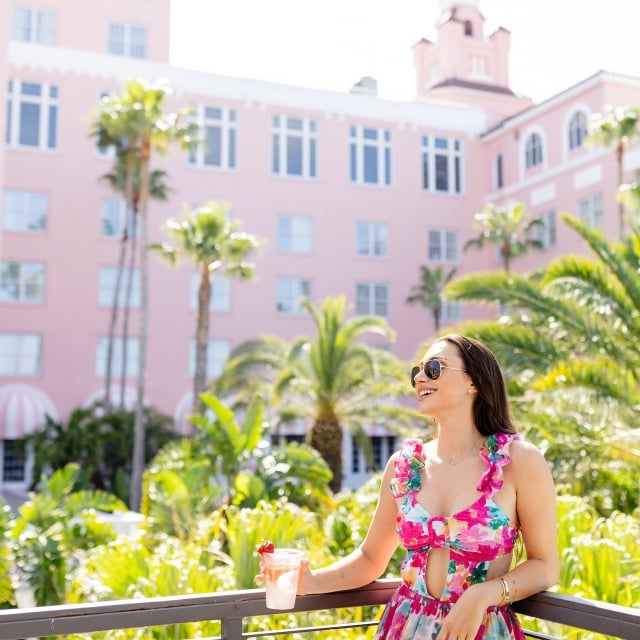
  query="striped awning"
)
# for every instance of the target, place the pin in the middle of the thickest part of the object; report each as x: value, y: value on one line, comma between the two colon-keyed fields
x: 23, y: 409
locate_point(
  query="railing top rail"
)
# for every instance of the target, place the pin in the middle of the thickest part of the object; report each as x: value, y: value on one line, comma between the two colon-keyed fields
x: 623, y: 622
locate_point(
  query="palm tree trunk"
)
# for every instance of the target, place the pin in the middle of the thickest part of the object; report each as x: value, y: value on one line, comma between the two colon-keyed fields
x: 127, y: 303
x: 620, y: 165
x: 202, y: 337
x: 137, y: 466
x: 114, y: 319
x: 326, y: 438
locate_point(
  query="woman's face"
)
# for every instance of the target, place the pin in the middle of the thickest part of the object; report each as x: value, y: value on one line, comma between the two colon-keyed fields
x: 452, y: 388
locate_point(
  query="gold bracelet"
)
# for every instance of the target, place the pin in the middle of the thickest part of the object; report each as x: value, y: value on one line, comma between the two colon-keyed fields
x: 506, y: 593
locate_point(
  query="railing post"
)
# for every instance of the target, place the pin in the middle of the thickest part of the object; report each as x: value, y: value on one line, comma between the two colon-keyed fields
x: 231, y: 629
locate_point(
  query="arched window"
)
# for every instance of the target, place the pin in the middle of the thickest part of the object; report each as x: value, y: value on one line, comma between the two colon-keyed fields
x: 577, y: 130
x: 468, y: 28
x: 533, y: 151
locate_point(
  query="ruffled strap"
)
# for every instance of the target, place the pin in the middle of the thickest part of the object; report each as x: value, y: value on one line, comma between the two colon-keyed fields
x: 495, y: 453
x: 407, y: 468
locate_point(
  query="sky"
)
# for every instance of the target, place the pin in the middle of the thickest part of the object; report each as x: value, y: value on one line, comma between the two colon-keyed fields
x: 331, y: 44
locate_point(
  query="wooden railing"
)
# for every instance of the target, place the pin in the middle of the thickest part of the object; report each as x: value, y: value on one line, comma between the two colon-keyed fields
x: 231, y: 608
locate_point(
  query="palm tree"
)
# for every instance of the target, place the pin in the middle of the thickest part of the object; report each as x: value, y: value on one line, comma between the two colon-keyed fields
x: 574, y: 327
x: 429, y: 292
x: 138, y: 119
x: 334, y: 380
x: 125, y: 179
x: 215, y: 244
x: 508, y: 228
x: 615, y: 128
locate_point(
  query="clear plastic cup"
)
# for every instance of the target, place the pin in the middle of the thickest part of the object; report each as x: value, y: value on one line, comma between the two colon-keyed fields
x: 281, y: 569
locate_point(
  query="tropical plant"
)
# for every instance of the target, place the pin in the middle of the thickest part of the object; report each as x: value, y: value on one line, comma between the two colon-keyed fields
x: 508, y: 228
x: 100, y: 442
x: 617, y: 128
x: 214, y: 242
x: 125, y: 179
x: 333, y: 380
x: 573, y: 329
x: 137, y: 121
x: 51, y: 527
x: 429, y: 291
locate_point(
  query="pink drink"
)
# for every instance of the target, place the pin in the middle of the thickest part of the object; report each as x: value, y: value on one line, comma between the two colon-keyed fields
x: 281, y: 570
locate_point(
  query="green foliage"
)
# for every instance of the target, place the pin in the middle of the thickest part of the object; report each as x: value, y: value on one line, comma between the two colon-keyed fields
x: 428, y: 292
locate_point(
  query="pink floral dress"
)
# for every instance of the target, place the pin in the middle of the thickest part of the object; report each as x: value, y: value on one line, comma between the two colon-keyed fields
x: 474, y: 537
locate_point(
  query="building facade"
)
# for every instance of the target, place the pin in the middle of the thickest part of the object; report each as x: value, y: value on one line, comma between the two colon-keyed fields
x: 351, y: 194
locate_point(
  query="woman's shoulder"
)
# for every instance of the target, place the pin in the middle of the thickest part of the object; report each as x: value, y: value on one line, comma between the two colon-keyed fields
x: 527, y: 458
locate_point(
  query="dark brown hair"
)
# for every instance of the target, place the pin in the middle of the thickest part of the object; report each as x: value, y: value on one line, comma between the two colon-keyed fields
x: 491, y: 405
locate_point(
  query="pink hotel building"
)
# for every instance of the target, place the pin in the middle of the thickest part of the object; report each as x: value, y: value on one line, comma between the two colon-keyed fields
x: 351, y: 193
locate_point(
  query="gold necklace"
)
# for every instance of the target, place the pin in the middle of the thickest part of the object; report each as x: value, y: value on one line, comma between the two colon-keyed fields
x: 453, y: 463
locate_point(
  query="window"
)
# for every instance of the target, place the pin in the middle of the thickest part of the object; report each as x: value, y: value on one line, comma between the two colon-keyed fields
x: 441, y: 164
x: 290, y: 293
x: 32, y: 115
x: 451, y: 311
x: 220, y: 292
x: 107, y: 287
x: 533, y: 151
x: 295, y: 233
x: 382, y: 448
x: 591, y: 211
x: 370, y: 155
x: 217, y: 354
x: 127, y: 40
x: 20, y: 354
x: 25, y: 211
x: 372, y: 239
x: 499, y: 172
x: 372, y: 299
x: 218, y: 126
x: 22, y: 281
x: 443, y: 245
x: 13, y: 460
x: 546, y: 232
x: 33, y: 25
x: 133, y: 357
x: 113, y: 217
x: 295, y: 147
x: 577, y: 130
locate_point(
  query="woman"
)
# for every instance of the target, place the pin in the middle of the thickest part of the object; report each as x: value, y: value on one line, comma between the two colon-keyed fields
x: 457, y: 504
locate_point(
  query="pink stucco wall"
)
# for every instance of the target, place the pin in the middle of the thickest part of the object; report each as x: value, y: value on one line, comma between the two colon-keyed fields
x: 70, y: 319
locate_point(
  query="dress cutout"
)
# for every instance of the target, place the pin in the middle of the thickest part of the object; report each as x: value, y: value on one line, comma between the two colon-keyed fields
x: 474, y: 537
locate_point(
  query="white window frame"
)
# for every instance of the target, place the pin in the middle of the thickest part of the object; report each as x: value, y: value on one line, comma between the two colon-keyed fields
x: 533, y: 150
x: 127, y: 47
x: 25, y: 211
x: 372, y: 239
x: 113, y: 217
x: 577, y: 130
x: 15, y: 469
x: 106, y: 287
x: 217, y: 353
x: 47, y: 103
x: 443, y: 246
x: 133, y: 357
x: 591, y: 210
x: 547, y: 232
x: 290, y: 292
x: 294, y: 233
x: 451, y: 311
x: 224, y: 124
x: 29, y: 284
x: 287, y: 130
x: 220, y: 293
x: 370, y: 139
x: 372, y: 299
x: 30, y: 25
x: 441, y: 149
x: 20, y: 354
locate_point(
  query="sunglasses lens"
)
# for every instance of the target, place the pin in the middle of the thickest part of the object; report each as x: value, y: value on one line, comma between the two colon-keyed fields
x: 414, y: 372
x: 433, y: 369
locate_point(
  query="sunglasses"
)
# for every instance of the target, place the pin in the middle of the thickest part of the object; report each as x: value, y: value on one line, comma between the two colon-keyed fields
x: 432, y: 369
